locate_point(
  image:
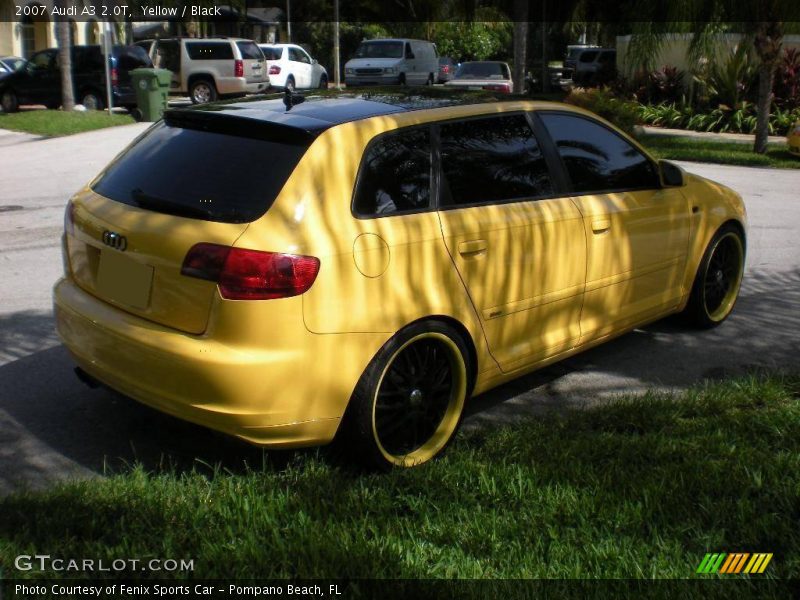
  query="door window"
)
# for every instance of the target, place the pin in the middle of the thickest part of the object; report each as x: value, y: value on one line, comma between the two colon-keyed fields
x: 491, y: 160
x: 395, y: 174
x: 597, y: 159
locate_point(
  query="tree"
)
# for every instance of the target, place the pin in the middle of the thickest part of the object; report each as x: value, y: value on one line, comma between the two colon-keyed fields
x: 767, y: 40
x: 65, y: 61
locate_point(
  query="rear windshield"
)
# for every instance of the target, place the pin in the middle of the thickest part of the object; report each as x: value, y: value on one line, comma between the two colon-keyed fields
x: 483, y: 70
x: 201, y: 174
x: 250, y: 51
x: 272, y: 53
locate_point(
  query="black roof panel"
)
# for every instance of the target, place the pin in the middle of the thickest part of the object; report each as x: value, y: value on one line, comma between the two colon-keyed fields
x: 321, y: 111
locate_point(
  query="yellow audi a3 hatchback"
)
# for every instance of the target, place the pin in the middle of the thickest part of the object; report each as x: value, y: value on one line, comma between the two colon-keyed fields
x: 360, y: 266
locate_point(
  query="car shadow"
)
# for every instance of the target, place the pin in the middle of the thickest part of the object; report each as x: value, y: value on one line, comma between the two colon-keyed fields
x: 53, y: 427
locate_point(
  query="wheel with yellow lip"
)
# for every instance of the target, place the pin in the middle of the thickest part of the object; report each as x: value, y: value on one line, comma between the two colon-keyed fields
x: 408, y: 403
x: 716, y: 285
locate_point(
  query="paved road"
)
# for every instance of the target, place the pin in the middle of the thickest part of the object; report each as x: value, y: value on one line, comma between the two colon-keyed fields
x: 52, y: 427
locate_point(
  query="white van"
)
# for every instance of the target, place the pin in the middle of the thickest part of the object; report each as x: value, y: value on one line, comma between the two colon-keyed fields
x: 393, y: 61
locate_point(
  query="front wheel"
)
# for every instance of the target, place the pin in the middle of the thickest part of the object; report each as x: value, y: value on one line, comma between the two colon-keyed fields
x: 323, y: 82
x: 408, y: 403
x: 716, y: 285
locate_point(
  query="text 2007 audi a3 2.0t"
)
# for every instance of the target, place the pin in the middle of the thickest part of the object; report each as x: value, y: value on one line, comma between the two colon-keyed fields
x: 362, y: 266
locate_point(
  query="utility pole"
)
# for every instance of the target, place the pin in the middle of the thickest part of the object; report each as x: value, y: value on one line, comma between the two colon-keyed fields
x: 289, y: 21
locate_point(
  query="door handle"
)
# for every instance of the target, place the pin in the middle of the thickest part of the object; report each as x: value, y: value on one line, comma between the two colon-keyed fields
x: 601, y: 225
x: 472, y: 248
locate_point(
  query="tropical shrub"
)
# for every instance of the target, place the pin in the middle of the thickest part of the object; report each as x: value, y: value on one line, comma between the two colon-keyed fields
x: 787, y: 80
x: 723, y: 119
x: 666, y: 84
x: 604, y: 102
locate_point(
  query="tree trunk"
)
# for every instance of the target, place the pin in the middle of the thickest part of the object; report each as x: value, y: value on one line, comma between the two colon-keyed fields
x: 768, y: 40
x: 520, y: 44
x: 65, y: 64
x: 766, y: 75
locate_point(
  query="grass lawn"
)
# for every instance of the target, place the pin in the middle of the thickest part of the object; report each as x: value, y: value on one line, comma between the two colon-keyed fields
x: 712, y: 151
x: 640, y: 488
x: 56, y: 122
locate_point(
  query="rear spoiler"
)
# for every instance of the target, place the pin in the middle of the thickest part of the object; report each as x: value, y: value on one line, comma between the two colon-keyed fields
x: 207, y: 119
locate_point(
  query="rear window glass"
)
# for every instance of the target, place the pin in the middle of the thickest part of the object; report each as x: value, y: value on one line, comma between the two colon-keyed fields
x: 588, y: 57
x: 201, y: 174
x: 272, y: 53
x: 209, y: 50
x: 250, y: 51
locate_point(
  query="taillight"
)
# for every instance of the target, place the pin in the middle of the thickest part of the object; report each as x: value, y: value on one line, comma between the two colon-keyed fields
x: 274, y: 70
x: 114, y: 76
x: 251, y: 274
x: 500, y: 87
x: 445, y: 68
x: 238, y: 68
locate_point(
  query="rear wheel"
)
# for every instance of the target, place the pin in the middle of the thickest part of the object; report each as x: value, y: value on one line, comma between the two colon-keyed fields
x: 716, y: 285
x: 430, y: 80
x: 91, y: 100
x: 290, y: 84
x: 202, y: 91
x: 408, y: 403
x: 323, y: 82
x: 9, y: 101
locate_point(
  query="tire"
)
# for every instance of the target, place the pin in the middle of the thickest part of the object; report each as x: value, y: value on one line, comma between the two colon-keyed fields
x: 92, y: 100
x: 430, y: 80
x: 323, y: 82
x: 402, y: 79
x: 9, y: 101
x: 408, y: 404
x: 719, y: 275
x: 290, y: 86
x: 202, y: 91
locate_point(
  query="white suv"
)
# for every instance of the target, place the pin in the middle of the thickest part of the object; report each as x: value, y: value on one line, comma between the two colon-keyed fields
x: 291, y: 67
x: 209, y: 68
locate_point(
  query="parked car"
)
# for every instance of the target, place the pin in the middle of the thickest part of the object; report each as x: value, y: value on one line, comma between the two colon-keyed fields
x: 39, y: 82
x: 447, y: 69
x: 444, y: 251
x: 793, y: 139
x: 291, y: 67
x: 393, y: 61
x: 483, y: 75
x: 11, y: 64
x: 210, y: 68
x: 571, y: 58
x: 595, y: 67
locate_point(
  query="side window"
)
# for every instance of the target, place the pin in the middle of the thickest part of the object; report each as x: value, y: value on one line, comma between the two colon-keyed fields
x: 409, y: 52
x: 297, y: 55
x: 395, y: 174
x: 43, y: 60
x: 598, y: 160
x: 209, y: 50
x: 491, y: 160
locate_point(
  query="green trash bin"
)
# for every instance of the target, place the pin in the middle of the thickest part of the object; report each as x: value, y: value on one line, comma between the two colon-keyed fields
x: 152, y: 89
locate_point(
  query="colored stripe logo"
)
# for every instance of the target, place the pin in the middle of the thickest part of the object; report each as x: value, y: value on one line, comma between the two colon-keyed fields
x: 733, y: 563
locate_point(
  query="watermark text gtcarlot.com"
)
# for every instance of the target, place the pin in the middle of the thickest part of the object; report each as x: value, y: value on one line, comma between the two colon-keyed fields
x: 45, y: 563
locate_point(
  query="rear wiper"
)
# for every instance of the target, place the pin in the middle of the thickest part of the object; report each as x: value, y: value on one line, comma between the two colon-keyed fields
x: 144, y: 200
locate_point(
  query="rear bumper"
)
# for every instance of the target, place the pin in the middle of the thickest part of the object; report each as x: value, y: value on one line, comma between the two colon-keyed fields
x: 274, y: 397
x: 239, y: 85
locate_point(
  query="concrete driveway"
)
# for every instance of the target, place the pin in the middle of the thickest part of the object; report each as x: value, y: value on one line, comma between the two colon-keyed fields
x: 52, y: 427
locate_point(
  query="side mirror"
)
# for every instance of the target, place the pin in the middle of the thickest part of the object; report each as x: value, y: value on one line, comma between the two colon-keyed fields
x: 313, y: 61
x: 671, y: 174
